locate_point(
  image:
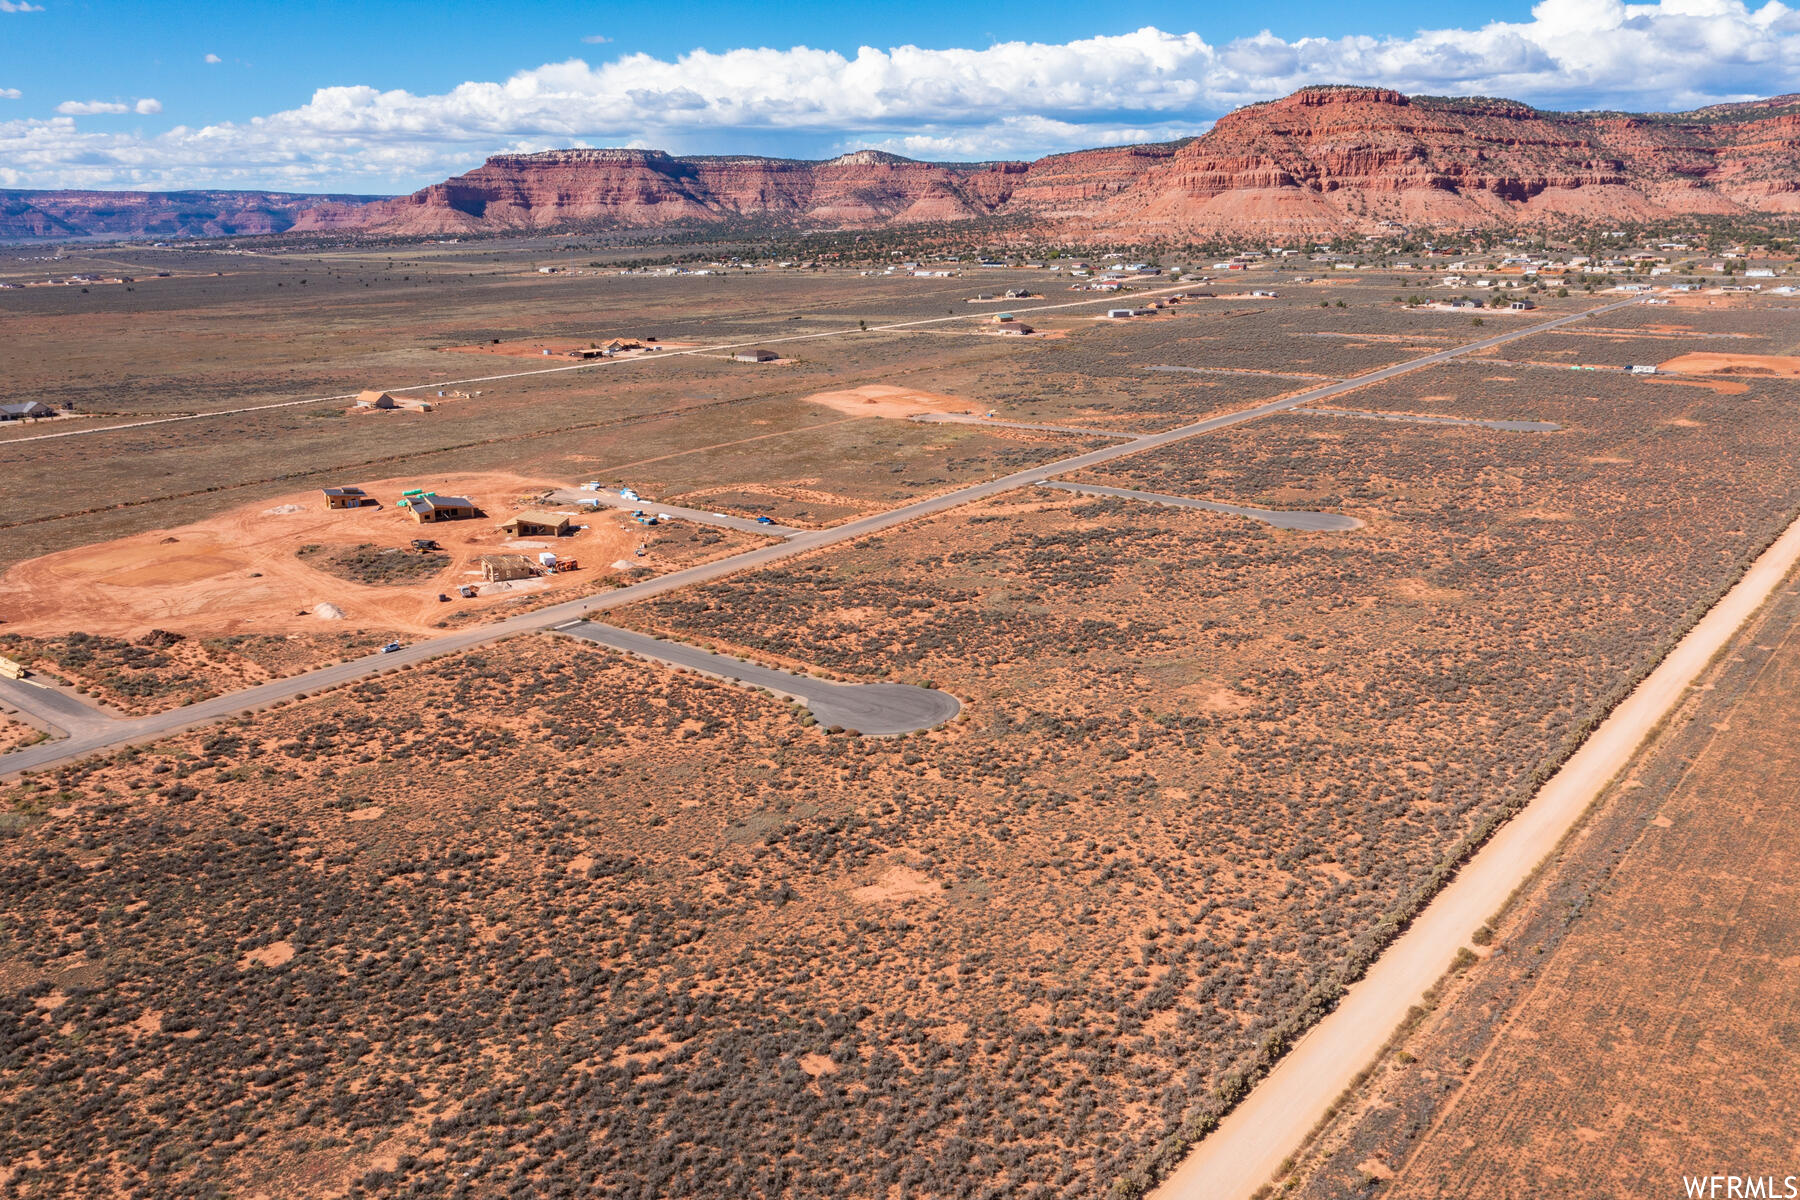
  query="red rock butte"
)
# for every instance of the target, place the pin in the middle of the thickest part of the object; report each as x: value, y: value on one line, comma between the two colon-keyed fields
x: 1323, y: 160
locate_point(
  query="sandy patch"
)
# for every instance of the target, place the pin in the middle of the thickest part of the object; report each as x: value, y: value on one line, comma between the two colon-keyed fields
x: 1214, y: 697
x: 373, y: 812
x: 817, y: 1065
x: 1425, y: 592
x: 275, y: 954
x: 894, y: 885
x: 1772, y: 366
x: 881, y: 400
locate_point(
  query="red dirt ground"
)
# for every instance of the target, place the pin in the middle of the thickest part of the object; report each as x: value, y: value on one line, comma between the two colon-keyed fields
x: 1777, y: 366
x: 238, y: 572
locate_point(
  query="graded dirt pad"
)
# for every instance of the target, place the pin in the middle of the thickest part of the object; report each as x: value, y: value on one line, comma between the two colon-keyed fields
x: 243, y: 572
x: 883, y: 400
x: 1778, y: 366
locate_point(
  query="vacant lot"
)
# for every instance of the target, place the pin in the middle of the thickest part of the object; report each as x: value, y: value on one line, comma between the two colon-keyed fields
x: 1656, y: 1042
x: 542, y: 920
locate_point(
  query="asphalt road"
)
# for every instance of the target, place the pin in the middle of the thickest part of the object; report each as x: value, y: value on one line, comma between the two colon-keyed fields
x: 574, y: 497
x: 1307, y: 522
x: 63, y: 712
x: 956, y: 419
x: 878, y: 709
x: 1248, y: 1147
x: 144, y: 729
x: 1429, y: 419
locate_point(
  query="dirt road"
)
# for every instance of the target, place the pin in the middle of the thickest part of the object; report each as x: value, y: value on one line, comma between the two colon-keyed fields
x: 1249, y: 1145
x: 145, y: 729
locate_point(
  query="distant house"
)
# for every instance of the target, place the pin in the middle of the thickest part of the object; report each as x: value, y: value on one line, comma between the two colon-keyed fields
x: 585, y: 352
x: 1118, y: 313
x: 537, y: 524
x: 1016, y: 329
x: 498, y: 567
x: 1521, y: 305
x: 426, y: 509
x: 25, y: 409
x: 756, y: 356
x: 619, y: 344
x: 346, y: 497
x: 1004, y: 318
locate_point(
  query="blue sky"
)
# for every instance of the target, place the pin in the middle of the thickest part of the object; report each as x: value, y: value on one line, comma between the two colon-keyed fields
x: 388, y: 96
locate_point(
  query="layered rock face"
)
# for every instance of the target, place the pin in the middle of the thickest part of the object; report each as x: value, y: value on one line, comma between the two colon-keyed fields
x: 55, y: 214
x: 646, y: 188
x: 1323, y: 160
x: 1332, y: 158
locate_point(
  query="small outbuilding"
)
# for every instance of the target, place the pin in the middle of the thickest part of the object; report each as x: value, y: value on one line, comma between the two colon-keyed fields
x: 346, y: 497
x: 428, y: 508
x: 496, y: 568
x: 370, y: 398
x: 27, y: 409
x: 756, y: 356
x: 538, y: 524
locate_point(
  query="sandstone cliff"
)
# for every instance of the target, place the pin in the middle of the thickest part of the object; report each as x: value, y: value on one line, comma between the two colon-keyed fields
x: 78, y: 214
x: 1320, y: 161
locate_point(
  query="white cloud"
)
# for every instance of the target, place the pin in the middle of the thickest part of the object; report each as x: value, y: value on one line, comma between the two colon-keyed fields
x: 147, y: 107
x: 1013, y: 99
x: 90, y: 108
x: 10, y: 93
x: 212, y: 58
x: 19, y: 6
x: 596, y: 39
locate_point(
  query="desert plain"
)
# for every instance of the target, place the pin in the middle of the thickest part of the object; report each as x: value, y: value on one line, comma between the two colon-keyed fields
x: 507, y: 912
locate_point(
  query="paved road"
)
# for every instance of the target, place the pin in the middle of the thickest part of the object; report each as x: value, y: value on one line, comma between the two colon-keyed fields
x: 66, y: 714
x: 1249, y: 1145
x: 574, y: 496
x: 1308, y: 522
x: 873, y: 708
x: 145, y: 729
x: 1241, y: 371
x: 957, y: 419
x: 1428, y: 419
